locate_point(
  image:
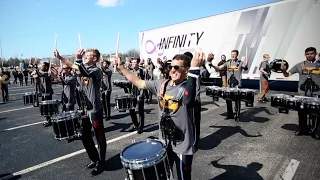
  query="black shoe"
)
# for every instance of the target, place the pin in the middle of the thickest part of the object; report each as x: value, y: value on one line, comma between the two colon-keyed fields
x: 266, y: 100
x: 301, y: 133
x: 229, y: 117
x: 261, y: 101
x: 140, y: 131
x: 99, y: 169
x: 91, y: 165
x: 315, y: 136
x: 236, y: 118
x: 47, y: 124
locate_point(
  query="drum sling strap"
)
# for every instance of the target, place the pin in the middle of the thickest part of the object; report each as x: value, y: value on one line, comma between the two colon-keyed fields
x: 309, y: 86
x: 168, y: 128
x: 232, y: 80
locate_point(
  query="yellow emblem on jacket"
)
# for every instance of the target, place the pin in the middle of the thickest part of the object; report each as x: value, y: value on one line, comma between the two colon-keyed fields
x: 233, y: 68
x: 173, y: 106
x: 85, y: 80
x: 313, y: 70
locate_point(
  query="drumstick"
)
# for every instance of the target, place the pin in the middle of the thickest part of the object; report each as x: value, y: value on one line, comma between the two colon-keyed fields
x: 117, y: 45
x: 246, y: 53
x: 79, y: 37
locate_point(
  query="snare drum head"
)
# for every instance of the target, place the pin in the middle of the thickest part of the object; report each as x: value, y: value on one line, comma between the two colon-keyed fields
x: 143, y: 150
x: 311, y: 100
x: 28, y: 93
x: 280, y: 96
x: 246, y: 90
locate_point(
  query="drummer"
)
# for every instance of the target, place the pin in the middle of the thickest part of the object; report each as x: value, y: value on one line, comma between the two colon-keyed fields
x: 106, y: 87
x: 235, y: 68
x: 45, y: 86
x: 182, y: 153
x: 69, y: 87
x: 264, y: 78
x: 149, y: 76
x: 138, y: 97
x: 91, y: 83
x: 301, y: 69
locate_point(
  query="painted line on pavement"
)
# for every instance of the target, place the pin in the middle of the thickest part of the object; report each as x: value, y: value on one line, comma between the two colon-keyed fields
x: 33, y: 168
x: 16, y: 109
x: 291, y: 170
x: 18, y: 127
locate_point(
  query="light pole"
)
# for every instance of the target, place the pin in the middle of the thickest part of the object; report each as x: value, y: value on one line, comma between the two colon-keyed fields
x: 1, y: 53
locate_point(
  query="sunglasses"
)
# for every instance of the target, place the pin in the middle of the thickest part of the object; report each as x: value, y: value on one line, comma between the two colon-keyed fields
x: 176, y: 67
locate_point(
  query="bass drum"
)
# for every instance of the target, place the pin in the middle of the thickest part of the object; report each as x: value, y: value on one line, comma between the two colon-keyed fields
x: 275, y: 65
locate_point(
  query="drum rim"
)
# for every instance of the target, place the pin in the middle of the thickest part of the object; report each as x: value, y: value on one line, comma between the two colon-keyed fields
x: 54, y: 101
x: 153, y: 160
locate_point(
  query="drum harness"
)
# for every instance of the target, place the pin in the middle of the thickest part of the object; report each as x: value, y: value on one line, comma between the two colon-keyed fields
x: 168, y: 128
x: 309, y: 86
x: 233, y: 82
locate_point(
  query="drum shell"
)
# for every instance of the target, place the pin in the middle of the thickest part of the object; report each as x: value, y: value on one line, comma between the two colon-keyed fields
x: 293, y: 104
x: 123, y: 102
x: 49, y: 109
x: 150, y: 172
x: 311, y: 107
x: 279, y: 101
x: 230, y: 95
x: 246, y: 96
x: 29, y: 98
x: 155, y: 166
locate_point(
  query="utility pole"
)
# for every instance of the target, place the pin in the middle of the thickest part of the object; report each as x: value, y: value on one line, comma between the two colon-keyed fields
x: 1, y: 53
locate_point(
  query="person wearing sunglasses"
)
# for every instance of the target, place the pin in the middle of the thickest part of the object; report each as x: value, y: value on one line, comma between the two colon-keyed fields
x: 176, y: 99
x: 69, y: 83
x: 303, y: 69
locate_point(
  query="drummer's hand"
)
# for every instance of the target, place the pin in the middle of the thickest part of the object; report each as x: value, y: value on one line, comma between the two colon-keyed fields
x: 283, y: 67
x: 198, y: 59
x: 118, y: 64
x: 56, y: 54
x: 245, y: 63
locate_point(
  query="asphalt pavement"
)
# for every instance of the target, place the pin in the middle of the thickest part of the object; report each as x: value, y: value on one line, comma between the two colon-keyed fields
x: 261, y: 146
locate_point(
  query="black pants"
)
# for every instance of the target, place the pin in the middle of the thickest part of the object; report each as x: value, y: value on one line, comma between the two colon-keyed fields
x: 236, y: 108
x: 5, y: 93
x: 197, y: 120
x: 31, y: 81
x: 148, y: 95
x: 106, y: 103
x: 68, y: 107
x: 26, y: 80
x: 139, y: 124
x: 45, y: 98
x: 183, y: 163
x: 97, y: 123
x: 15, y: 80
x: 21, y: 81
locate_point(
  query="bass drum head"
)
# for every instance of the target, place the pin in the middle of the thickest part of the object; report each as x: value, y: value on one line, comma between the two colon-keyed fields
x: 142, y: 154
x: 275, y: 65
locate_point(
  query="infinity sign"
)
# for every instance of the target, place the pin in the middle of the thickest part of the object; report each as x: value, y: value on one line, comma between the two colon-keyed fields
x: 154, y: 49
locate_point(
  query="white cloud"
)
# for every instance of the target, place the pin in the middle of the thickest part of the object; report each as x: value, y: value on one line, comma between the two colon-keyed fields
x: 109, y: 3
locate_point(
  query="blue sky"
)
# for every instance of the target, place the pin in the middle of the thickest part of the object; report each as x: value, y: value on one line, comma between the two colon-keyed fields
x: 29, y: 26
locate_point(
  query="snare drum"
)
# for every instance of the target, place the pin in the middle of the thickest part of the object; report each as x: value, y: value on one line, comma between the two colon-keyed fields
x: 247, y: 95
x: 278, y: 100
x: 146, y: 160
x: 311, y: 106
x: 66, y: 125
x: 230, y: 93
x: 29, y: 98
x: 294, y: 103
x: 49, y: 107
x: 123, y: 102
